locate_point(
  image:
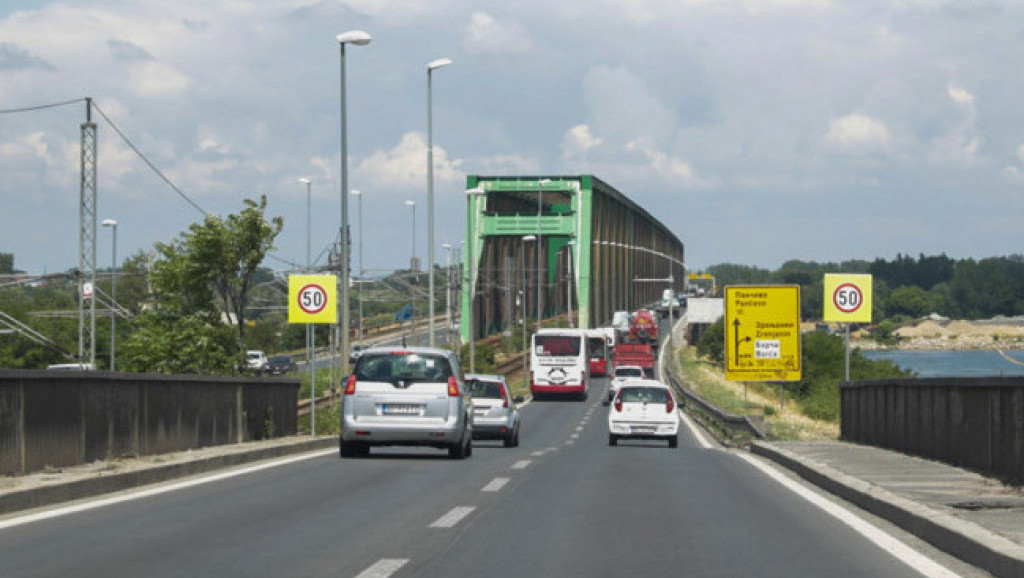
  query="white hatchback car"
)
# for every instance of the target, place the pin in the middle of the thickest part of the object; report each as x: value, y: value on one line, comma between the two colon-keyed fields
x: 644, y: 409
x: 620, y: 375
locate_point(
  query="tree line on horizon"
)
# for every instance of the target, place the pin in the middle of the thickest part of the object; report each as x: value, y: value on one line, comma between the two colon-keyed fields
x: 904, y: 288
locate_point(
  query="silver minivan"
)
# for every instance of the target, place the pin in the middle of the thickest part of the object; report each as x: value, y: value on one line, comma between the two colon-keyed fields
x: 412, y: 396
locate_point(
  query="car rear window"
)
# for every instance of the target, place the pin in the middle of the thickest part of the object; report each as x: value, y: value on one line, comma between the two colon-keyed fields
x: 644, y: 395
x: 629, y: 372
x: 481, y: 389
x: 403, y: 366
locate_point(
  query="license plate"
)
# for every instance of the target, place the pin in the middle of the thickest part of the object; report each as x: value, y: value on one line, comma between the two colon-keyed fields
x: 400, y: 409
x: 642, y: 429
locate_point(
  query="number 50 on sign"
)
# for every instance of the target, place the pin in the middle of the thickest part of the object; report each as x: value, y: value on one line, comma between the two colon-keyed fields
x: 847, y: 298
x: 312, y: 299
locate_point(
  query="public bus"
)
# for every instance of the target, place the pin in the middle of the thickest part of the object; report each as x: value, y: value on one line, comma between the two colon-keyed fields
x: 597, y: 343
x: 559, y: 363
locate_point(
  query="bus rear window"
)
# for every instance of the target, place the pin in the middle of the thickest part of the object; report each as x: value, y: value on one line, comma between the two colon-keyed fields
x: 557, y: 345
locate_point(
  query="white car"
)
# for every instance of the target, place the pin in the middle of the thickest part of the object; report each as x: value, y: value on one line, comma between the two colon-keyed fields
x: 495, y: 415
x: 644, y: 409
x: 620, y: 375
x: 256, y: 360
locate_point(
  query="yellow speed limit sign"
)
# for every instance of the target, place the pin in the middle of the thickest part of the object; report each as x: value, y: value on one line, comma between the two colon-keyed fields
x: 847, y: 298
x: 762, y: 333
x: 312, y: 299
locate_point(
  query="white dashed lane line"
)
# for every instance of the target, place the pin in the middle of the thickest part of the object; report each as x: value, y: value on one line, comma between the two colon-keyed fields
x: 495, y: 485
x: 383, y: 568
x: 453, y: 517
x: 521, y: 464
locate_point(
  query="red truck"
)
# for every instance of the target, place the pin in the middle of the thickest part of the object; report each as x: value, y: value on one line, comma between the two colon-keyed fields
x: 644, y: 328
x: 640, y: 354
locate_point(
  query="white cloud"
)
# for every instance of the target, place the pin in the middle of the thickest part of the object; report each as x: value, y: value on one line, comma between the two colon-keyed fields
x: 858, y: 134
x: 486, y: 35
x: 156, y: 79
x: 960, y: 145
x: 960, y: 95
x: 578, y: 140
x: 404, y: 167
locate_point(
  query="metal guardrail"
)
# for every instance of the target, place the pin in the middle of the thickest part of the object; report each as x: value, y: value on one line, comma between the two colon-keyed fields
x: 741, y: 423
x: 730, y: 421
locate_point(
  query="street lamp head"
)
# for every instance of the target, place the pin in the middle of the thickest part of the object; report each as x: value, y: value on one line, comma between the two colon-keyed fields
x: 357, y: 37
x: 305, y: 181
x: 544, y: 182
x: 476, y: 191
x: 530, y: 237
x: 109, y: 222
x: 439, y: 63
x: 446, y: 246
x: 355, y: 192
x: 410, y: 203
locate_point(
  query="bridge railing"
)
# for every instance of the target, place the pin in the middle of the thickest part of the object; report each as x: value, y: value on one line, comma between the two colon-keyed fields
x: 56, y: 419
x: 975, y: 422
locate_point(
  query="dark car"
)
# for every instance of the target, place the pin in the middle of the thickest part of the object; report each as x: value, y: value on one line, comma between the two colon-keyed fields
x: 280, y: 364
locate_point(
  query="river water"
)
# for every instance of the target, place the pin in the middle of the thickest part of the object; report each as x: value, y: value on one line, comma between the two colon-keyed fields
x: 969, y: 363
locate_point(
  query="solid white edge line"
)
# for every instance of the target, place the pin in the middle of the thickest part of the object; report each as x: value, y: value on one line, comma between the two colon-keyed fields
x: 880, y: 538
x: 383, y: 568
x: 694, y: 430
x: 145, y: 493
x: 495, y: 485
x: 454, y: 516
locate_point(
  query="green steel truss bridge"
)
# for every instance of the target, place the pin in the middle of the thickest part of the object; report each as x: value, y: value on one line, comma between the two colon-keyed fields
x: 600, y: 252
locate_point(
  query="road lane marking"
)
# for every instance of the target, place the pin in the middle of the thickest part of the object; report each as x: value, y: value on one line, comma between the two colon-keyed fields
x: 383, y: 568
x: 883, y: 540
x: 138, y: 495
x: 521, y: 464
x: 579, y: 428
x: 575, y: 436
x: 495, y: 485
x: 693, y: 429
x: 454, y: 516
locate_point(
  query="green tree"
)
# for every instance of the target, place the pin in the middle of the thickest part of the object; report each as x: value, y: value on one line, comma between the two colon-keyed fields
x: 712, y: 342
x: 6, y: 263
x: 206, y: 272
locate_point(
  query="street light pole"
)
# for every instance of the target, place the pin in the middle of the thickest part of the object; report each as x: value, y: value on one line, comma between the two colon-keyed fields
x: 310, y: 332
x: 112, y: 223
x: 358, y: 38
x: 433, y: 65
x: 526, y: 347
x: 359, y: 195
x: 412, y: 268
x: 540, y: 205
x: 471, y: 273
x: 448, y: 296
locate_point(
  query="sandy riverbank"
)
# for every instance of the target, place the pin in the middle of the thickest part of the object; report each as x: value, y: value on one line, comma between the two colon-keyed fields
x: 937, y: 333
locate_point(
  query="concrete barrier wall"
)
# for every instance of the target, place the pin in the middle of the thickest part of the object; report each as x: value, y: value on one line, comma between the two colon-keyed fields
x: 976, y: 423
x: 56, y: 419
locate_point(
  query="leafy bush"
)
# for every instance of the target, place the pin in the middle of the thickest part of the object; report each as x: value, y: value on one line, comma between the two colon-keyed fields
x: 712, y: 342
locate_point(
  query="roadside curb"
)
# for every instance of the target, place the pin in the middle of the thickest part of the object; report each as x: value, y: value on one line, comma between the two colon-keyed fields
x: 961, y: 538
x: 105, y: 484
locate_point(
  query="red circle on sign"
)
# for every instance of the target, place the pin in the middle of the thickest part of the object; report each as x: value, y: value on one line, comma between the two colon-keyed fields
x: 314, y: 307
x: 847, y: 307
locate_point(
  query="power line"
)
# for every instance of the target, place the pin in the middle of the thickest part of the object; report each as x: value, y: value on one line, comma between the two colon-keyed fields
x: 147, y: 161
x: 41, y: 106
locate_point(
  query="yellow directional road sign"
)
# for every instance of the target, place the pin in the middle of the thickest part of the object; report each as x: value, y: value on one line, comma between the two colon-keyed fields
x: 312, y: 299
x: 762, y: 332
x: 847, y: 298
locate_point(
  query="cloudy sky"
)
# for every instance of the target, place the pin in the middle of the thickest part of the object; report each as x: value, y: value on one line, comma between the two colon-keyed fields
x: 757, y: 130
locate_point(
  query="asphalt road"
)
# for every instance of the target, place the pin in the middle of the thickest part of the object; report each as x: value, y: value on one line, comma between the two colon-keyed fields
x: 564, y: 503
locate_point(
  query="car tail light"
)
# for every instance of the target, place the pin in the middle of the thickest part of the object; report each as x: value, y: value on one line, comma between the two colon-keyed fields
x: 618, y: 403
x: 453, y: 387
x: 670, y: 405
x: 504, y: 398
x: 350, y: 385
